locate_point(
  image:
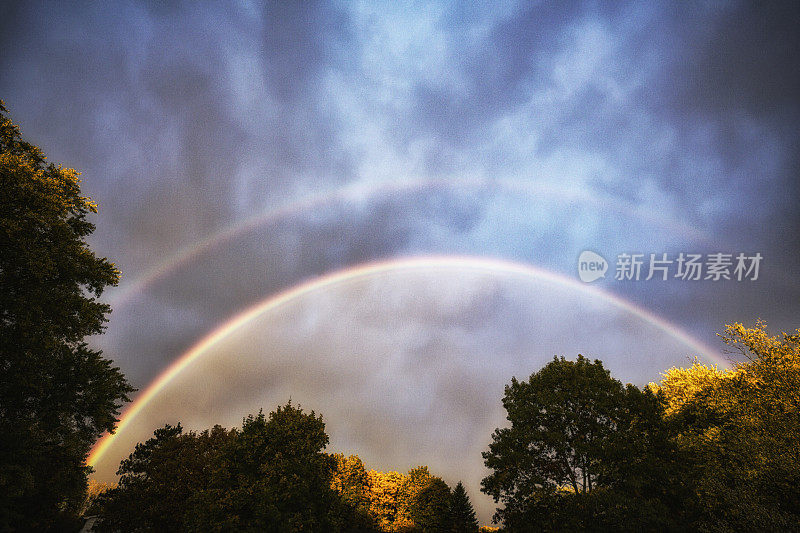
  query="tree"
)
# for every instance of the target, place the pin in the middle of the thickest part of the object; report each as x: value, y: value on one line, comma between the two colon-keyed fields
x: 274, y: 476
x: 582, y: 451
x: 741, y: 427
x: 57, y: 395
x: 94, y: 491
x: 559, y: 419
x: 351, y: 482
x: 388, y: 500
x: 646, y: 481
x: 462, y: 515
x: 161, y: 480
x: 430, y: 507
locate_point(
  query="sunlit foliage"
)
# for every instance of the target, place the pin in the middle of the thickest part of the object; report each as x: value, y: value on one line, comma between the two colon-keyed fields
x: 742, y: 428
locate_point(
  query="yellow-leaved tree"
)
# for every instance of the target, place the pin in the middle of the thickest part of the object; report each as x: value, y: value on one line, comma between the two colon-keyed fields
x: 743, y: 427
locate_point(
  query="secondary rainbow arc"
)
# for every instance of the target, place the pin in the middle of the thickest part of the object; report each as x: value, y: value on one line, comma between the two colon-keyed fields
x: 356, y: 192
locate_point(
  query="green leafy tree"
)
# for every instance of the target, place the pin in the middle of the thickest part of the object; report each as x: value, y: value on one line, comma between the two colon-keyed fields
x: 559, y: 419
x: 414, y: 482
x: 462, y: 515
x: 646, y: 480
x: 430, y: 507
x: 57, y: 395
x: 582, y: 452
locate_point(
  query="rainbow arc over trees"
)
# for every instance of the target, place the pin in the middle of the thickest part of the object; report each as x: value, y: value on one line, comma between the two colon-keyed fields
x: 426, y: 263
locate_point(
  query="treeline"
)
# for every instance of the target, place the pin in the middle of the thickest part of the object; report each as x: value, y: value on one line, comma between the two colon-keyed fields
x: 271, y: 475
x: 703, y: 450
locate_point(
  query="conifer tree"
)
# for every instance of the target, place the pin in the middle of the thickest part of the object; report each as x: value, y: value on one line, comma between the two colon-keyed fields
x: 462, y: 514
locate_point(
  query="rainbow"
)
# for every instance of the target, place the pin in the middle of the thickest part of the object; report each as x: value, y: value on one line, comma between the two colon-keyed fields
x: 496, y: 266
x: 362, y: 191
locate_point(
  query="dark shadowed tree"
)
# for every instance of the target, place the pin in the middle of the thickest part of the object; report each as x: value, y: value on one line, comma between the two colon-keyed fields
x: 430, y: 508
x: 583, y: 452
x: 57, y: 395
x: 559, y: 419
x: 274, y: 476
x: 162, y: 479
x: 462, y: 515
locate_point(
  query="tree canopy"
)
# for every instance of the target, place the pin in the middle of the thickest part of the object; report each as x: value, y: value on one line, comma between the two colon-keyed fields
x: 582, y: 451
x: 559, y: 418
x: 270, y: 475
x: 741, y: 428
x: 274, y: 476
x: 57, y: 395
x: 703, y: 450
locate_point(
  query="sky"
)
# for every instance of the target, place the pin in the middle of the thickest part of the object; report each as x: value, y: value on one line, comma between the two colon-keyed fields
x: 239, y: 151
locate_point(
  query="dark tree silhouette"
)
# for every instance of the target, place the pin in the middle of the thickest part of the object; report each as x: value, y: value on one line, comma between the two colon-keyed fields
x: 160, y: 481
x: 274, y: 476
x: 583, y: 451
x: 57, y: 395
x: 462, y: 515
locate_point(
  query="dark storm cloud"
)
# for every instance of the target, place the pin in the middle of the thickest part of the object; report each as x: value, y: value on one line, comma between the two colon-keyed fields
x: 144, y: 101
x: 693, y: 110
x: 498, y: 71
x: 718, y: 84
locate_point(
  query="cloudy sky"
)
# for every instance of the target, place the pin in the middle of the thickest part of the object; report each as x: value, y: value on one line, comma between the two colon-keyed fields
x: 237, y: 150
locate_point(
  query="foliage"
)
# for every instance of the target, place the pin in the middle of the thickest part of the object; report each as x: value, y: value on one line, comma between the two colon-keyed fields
x: 584, y: 452
x: 430, y: 507
x: 94, y: 490
x: 416, y: 501
x: 388, y: 504
x: 274, y: 476
x: 704, y: 450
x: 742, y: 427
x: 462, y: 515
x: 57, y: 395
x: 160, y: 480
x: 559, y: 419
x: 351, y: 483
x: 271, y: 475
